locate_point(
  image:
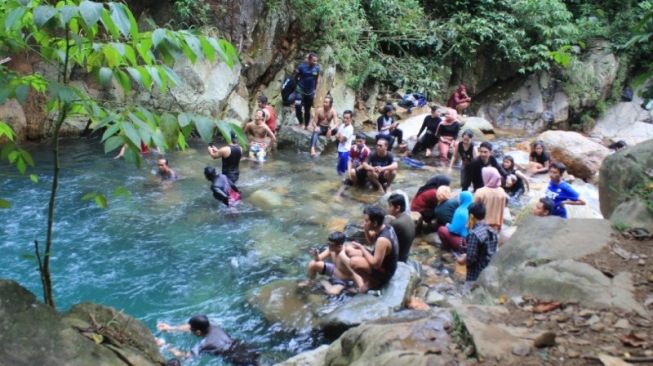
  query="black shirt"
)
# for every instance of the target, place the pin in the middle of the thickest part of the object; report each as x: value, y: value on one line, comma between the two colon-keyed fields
x: 449, y: 130
x: 389, y: 264
x: 430, y: 124
x: 382, y: 161
x: 474, y: 175
x: 444, y: 211
x: 466, y: 156
x: 230, y: 163
x: 540, y: 158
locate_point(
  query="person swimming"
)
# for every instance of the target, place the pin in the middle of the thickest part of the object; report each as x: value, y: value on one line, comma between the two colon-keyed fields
x: 222, y: 188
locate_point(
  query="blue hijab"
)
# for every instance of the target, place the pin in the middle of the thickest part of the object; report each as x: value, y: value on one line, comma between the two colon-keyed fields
x: 458, y: 225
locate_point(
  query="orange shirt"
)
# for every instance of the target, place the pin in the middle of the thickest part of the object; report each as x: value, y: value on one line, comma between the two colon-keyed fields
x: 272, y: 121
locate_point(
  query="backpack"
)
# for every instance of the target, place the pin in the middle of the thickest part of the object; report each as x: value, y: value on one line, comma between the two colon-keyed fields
x: 287, y: 89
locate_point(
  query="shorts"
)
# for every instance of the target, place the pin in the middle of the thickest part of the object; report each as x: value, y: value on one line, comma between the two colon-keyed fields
x: 257, y: 150
x: 343, y: 162
x: 330, y: 270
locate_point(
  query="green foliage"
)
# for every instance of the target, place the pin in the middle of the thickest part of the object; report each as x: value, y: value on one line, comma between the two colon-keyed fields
x: 461, y: 335
x: 191, y: 13
x: 13, y: 155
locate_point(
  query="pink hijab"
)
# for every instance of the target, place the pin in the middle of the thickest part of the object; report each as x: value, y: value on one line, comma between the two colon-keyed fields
x: 491, y: 177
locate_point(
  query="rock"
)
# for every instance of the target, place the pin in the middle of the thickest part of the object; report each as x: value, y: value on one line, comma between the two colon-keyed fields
x: 299, y: 139
x: 492, y: 338
x: 34, y: 334
x: 623, y: 122
x: 622, y: 323
x: 542, y: 260
x: 11, y: 112
x: 622, y: 173
x: 560, y: 107
x: 421, y: 341
x: 521, y: 350
x: 266, y: 199
x: 478, y: 123
x: 547, y: 339
x: 582, y: 156
x: 294, y: 308
x: 344, y: 97
x: 309, y: 358
x: 435, y: 298
x: 368, y: 307
x: 237, y: 108
x: 520, y: 157
x: 354, y: 232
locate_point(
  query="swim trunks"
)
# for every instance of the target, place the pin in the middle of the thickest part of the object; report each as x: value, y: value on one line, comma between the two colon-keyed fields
x: 330, y: 270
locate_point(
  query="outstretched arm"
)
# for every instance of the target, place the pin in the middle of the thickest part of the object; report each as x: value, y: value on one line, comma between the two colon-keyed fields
x: 165, y: 327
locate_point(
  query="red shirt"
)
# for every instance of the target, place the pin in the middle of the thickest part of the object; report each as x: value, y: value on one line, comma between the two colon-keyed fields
x: 424, y: 201
x: 272, y: 121
x: 358, y: 156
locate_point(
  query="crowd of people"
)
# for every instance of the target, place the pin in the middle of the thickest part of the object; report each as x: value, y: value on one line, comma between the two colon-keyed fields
x: 468, y: 223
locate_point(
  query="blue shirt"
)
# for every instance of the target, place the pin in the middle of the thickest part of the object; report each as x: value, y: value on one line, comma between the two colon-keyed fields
x: 558, y: 193
x: 307, y: 78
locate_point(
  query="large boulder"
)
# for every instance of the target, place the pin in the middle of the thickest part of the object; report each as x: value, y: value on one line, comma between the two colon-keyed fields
x: 624, y: 121
x: 582, y: 156
x: 369, y: 307
x: 11, y: 112
x: 297, y: 138
x: 477, y: 123
x: 313, y: 357
x: 266, y: 199
x: 624, y: 176
x: 422, y: 339
x: 543, y: 259
x: 34, y: 334
x: 634, y: 214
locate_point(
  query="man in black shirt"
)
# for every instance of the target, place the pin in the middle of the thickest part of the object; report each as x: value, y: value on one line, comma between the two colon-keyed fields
x: 381, y: 167
x: 484, y: 158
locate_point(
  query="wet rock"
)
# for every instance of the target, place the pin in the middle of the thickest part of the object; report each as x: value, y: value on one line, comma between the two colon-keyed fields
x: 435, y: 298
x: 633, y: 215
x: 421, y: 341
x: 354, y: 232
x: 621, y: 173
x: 547, y: 339
x: 369, y: 307
x: 582, y: 156
x: 309, y: 358
x: 542, y: 259
x: 34, y: 334
x: 237, y: 108
x: 623, y: 122
x: 293, y: 307
x: 478, y: 123
x: 266, y: 199
x: 293, y: 137
x: 521, y: 350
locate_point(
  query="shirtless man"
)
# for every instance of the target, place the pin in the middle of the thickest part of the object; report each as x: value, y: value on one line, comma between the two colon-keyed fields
x: 256, y: 132
x: 338, y: 273
x: 230, y: 155
x: 165, y: 172
x: 323, y: 122
x: 373, y: 270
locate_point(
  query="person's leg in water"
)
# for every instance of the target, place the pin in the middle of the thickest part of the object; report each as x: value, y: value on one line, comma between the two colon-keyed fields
x: 386, y: 179
x: 314, y: 267
x: 375, y: 179
x: 319, y: 130
x: 343, y: 161
x: 307, y: 103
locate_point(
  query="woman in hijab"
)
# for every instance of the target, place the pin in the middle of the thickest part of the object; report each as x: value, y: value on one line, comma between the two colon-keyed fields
x: 492, y: 196
x: 447, y: 135
x: 426, y: 199
x: 453, y: 235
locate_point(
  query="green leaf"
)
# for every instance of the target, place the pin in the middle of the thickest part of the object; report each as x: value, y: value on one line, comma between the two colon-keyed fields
x: 101, y: 201
x: 89, y: 196
x: 7, y: 131
x: 113, y: 143
x: 91, y: 12
x: 154, y: 73
x: 27, y: 157
x: 21, y: 93
x: 147, y: 79
x: 229, y: 51
x: 13, y: 19
x: 170, y: 129
x: 4, y: 203
x: 135, y: 75
x: 20, y: 165
x: 184, y: 119
x: 121, y: 19
x: 105, y: 74
x: 124, y: 81
x: 43, y: 14
x: 132, y: 134
x: 121, y: 191
x: 181, y: 142
x: 109, y: 24
x: 159, y: 140
x: 130, y: 54
x: 110, y: 131
x: 111, y: 55
x: 34, y: 178
x: 158, y: 36
x: 207, y: 49
x: 67, y: 12
x: 144, y: 49
x: 205, y: 126
x: 225, y: 129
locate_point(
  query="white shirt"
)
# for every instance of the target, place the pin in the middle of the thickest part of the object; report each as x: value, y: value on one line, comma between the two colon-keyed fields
x: 348, y: 133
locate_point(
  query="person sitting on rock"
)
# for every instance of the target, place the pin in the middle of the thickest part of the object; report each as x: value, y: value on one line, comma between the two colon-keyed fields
x: 543, y: 207
x: 388, y: 128
x: 485, y: 158
x: 222, y: 187
x: 459, y: 100
x: 330, y: 263
x: 323, y: 123
x: 357, y: 156
x: 374, y: 269
x: 402, y: 223
x: 430, y: 128
x: 447, y: 135
x: 215, y: 341
x: 447, y: 205
x: 426, y: 199
x: 560, y: 192
x: 257, y: 133
x: 453, y: 235
x: 481, y: 243
x: 538, y: 160
x: 381, y: 167
x: 493, y: 197
x: 515, y: 183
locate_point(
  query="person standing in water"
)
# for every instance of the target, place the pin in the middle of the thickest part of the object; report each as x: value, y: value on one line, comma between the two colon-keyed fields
x: 257, y: 132
x: 165, y: 172
x: 222, y: 187
x: 230, y: 155
x: 345, y: 136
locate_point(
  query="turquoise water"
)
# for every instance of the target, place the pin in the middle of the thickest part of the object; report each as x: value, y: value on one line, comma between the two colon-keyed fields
x: 170, y: 251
